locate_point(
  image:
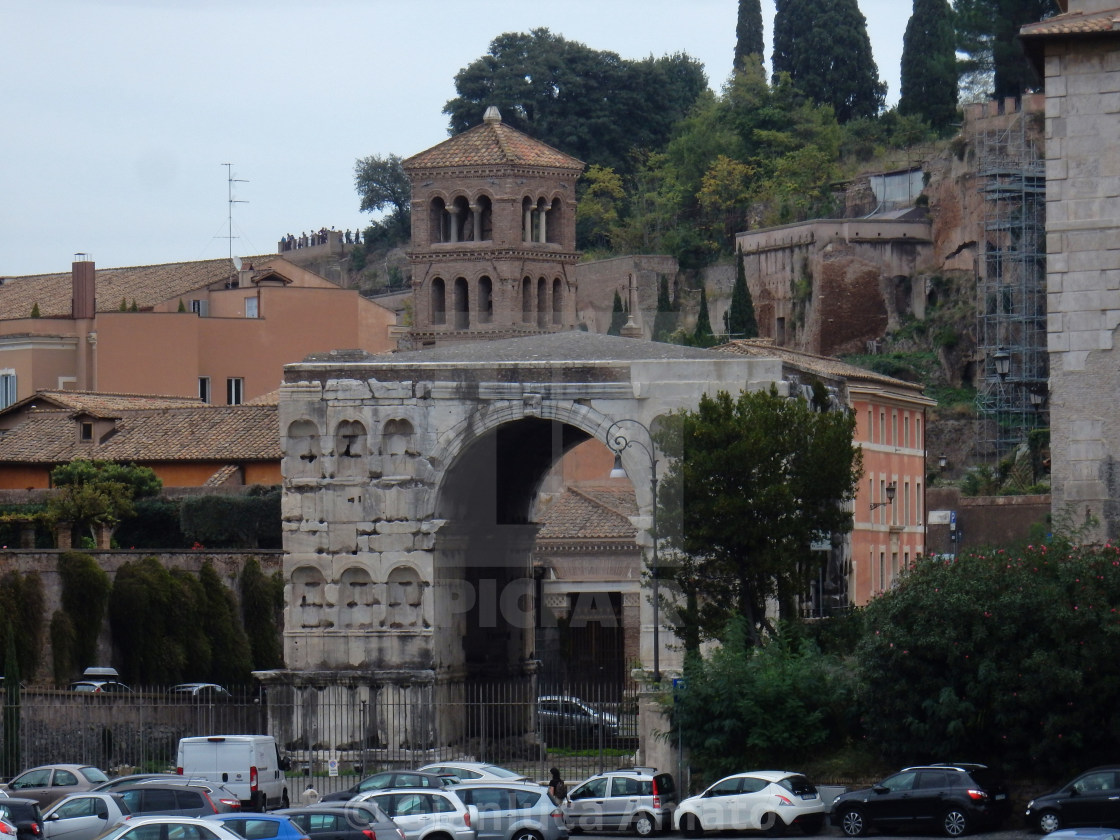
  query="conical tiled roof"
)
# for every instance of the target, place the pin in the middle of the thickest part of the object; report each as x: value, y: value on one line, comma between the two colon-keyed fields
x: 493, y: 143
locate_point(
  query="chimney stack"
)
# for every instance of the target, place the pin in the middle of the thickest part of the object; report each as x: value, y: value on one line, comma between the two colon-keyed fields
x: 83, y: 301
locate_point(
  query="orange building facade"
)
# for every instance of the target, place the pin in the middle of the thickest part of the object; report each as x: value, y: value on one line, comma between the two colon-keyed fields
x: 201, y: 330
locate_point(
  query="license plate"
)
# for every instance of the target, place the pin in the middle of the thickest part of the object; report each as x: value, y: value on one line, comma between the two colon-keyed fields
x: 1001, y: 796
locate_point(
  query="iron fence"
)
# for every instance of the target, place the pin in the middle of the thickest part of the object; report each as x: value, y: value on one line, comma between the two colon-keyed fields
x: 333, y: 734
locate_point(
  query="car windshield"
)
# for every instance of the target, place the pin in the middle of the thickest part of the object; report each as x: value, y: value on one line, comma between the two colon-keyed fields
x: 501, y: 772
x: 93, y: 775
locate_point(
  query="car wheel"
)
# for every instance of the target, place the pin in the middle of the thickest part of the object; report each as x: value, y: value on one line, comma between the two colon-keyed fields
x: 1049, y: 821
x: 852, y: 823
x: 643, y: 825
x: 526, y: 834
x: 954, y: 823
x: 772, y: 825
x: 812, y: 825
x: 690, y: 825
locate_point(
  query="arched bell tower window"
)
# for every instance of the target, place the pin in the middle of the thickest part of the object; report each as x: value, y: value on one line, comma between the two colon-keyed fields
x: 485, y: 210
x: 461, y: 304
x: 438, y: 302
x: 485, y: 300
x: 557, y: 302
x: 554, y: 227
x: 462, y: 221
x: 527, y: 300
x: 438, y: 221
x: 542, y: 302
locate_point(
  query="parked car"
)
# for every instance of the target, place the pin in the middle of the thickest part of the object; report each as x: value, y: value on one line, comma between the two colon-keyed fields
x: 169, y: 828
x: 513, y: 811
x: 390, y: 779
x: 639, y: 800
x: 83, y: 816
x: 951, y: 798
x: 1093, y: 798
x: 24, y: 814
x: 423, y: 812
x: 569, y: 717
x: 7, y: 829
x: 100, y: 680
x: 466, y: 771
x: 187, y: 798
x: 253, y: 826
x: 349, y: 821
x: 53, y: 781
x: 201, y: 692
x: 134, y: 778
x: 761, y: 800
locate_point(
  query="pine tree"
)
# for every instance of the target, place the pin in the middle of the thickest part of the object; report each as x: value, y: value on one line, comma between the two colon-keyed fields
x: 824, y: 47
x: 702, y: 336
x: 741, y: 321
x: 988, y: 33
x: 618, y: 316
x: 35, y: 310
x: 748, y: 33
x: 929, y: 64
x: 665, y: 319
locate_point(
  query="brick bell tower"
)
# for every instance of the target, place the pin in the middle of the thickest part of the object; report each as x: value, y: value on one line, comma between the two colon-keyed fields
x: 493, y: 237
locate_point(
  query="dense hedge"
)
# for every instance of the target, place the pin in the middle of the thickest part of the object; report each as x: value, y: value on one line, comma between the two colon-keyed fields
x: 250, y: 521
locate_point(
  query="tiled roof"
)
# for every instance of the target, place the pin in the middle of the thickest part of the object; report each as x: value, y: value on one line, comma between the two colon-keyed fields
x: 207, y: 433
x: 489, y: 144
x: 825, y: 365
x: 1075, y: 23
x: 148, y: 285
x: 590, y: 513
x: 100, y: 404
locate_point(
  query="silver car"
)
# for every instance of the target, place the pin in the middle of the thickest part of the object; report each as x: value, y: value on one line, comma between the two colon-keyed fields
x: 83, y: 816
x: 639, y: 799
x: 423, y: 812
x: 513, y: 811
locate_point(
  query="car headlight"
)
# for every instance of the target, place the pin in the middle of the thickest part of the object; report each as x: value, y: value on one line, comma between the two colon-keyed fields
x: 1030, y: 804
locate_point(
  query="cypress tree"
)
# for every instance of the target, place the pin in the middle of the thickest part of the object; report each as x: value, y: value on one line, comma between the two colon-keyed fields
x: 741, y: 321
x: 824, y: 47
x: 988, y: 32
x: 748, y: 33
x: 12, y: 762
x: 929, y: 64
x: 702, y: 336
x: 618, y: 316
x: 665, y: 319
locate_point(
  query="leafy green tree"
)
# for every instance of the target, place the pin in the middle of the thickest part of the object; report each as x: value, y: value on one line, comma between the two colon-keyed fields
x: 384, y: 187
x: 589, y: 104
x: 929, y: 64
x: 749, y: 40
x: 665, y: 321
x: 702, y: 336
x: 725, y: 198
x: 262, y: 605
x: 600, y: 194
x: 741, y: 321
x: 988, y: 33
x: 823, y: 45
x: 85, y: 594
x: 800, y: 693
x: 98, y: 493
x: 618, y: 316
x: 1007, y: 656
x: 758, y: 478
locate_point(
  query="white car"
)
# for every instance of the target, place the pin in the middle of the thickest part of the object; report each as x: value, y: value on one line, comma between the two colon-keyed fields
x: 761, y: 800
x: 473, y: 771
x: 83, y: 816
x: 426, y: 812
x: 170, y: 828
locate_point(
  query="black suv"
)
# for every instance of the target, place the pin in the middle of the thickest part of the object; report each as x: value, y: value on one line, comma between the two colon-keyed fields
x: 1093, y: 798
x: 952, y: 798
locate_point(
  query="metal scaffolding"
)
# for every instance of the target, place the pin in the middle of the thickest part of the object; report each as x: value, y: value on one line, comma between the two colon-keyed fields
x: 1011, y: 290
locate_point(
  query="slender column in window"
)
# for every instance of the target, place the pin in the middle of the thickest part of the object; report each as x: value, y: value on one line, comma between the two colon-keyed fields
x: 527, y: 231
x: 543, y: 230
x: 454, y: 212
x: 476, y: 219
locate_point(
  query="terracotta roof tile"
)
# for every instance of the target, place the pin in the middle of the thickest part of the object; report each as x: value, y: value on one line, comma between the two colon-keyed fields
x: 1075, y: 23
x: 590, y: 513
x: 489, y: 144
x: 827, y: 365
x: 148, y: 285
x: 207, y: 433
x: 101, y: 404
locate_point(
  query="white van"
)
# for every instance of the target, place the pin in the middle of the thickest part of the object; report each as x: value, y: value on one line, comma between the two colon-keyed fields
x: 249, y: 765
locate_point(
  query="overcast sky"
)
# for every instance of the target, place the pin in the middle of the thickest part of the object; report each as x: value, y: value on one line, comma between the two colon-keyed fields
x: 120, y: 113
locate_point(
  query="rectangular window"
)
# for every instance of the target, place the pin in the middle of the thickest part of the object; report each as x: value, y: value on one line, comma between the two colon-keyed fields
x: 882, y: 571
x: 204, y: 389
x: 882, y: 427
x: 9, y: 393
x: 894, y: 428
x: 906, y: 430
x: 235, y: 391
x: 252, y: 307
x: 906, y: 503
x: 200, y: 307
x: 918, y: 433
x: 87, y: 431
x: 870, y: 427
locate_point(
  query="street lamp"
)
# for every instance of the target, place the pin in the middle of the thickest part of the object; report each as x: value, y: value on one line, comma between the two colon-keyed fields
x: 618, y: 441
x: 1002, y: 360
x: 892, y: 489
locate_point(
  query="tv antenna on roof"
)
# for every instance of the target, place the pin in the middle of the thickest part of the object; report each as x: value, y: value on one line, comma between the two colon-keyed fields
x: 230, y: 181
